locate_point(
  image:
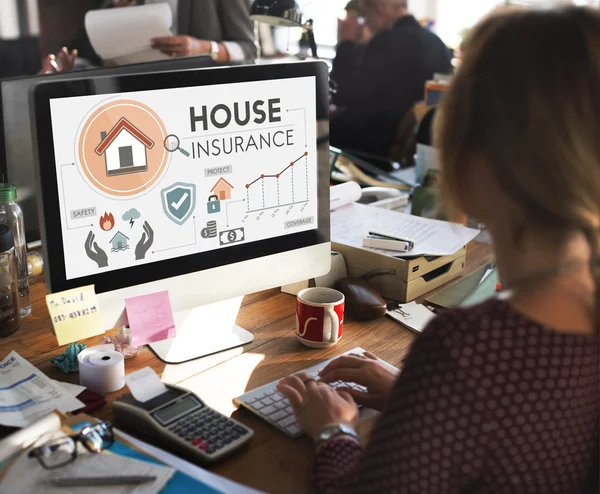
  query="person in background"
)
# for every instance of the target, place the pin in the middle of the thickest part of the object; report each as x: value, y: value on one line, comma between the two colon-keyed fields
x: 221, y: 28
x: 380, y: 77
x: 502, y: 397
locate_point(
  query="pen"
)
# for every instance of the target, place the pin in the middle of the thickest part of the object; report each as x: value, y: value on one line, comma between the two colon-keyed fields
x: 103, y: 481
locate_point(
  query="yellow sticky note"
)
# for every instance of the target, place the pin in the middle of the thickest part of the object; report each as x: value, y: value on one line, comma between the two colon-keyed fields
x: 75, y: 314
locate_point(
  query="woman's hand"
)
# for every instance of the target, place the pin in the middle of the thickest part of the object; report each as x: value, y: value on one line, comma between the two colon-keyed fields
x: 63, y: 61
x: 366, y: 370
x: 316, y: 404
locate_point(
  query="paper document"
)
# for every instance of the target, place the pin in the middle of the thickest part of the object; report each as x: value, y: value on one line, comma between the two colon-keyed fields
x: 215, y: 481
x: 26, y: 475
x: 122, y: 35
x: 414, y: 316
x: 347, y: 193
x: 73, y: 389
x: 145, y: 384
x: 352, y: 223
x: 27, y: 394
x: 25, y: 437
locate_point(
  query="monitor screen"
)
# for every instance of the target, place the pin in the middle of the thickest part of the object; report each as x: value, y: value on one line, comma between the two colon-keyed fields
x: 168, y: 174
x: 16, y: 141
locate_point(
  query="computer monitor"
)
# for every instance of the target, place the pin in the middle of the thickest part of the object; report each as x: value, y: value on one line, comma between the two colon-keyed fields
x: 16, y: 144
x: 206, y: 183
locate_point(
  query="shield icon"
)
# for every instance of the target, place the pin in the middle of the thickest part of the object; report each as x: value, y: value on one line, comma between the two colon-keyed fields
x: 179, y: 201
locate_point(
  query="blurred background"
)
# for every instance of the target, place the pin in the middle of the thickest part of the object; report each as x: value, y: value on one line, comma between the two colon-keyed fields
x: 31, y: 29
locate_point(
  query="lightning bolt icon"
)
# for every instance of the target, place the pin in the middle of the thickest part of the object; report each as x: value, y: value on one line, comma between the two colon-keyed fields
x: 131, y: 222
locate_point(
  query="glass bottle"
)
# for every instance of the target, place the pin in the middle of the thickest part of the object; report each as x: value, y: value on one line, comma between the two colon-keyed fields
x: 11, y: 215
x: 9, y: 300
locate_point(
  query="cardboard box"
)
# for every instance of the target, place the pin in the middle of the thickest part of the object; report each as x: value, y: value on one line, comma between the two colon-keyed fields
x: 412, y: 278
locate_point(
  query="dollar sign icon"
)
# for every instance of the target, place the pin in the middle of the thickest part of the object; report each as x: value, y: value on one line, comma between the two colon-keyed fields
x: 231, y: 236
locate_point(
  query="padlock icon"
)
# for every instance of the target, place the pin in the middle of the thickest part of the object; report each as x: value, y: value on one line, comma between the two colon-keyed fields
x: 213, y: 205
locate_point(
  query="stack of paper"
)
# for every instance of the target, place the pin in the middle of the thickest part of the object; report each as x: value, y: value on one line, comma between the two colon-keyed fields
x: 26, y: 475
x: 352, y: 223
x: 27, y: 394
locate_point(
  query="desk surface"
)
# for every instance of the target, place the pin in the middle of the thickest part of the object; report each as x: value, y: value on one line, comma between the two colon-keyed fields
x: 273, y: 462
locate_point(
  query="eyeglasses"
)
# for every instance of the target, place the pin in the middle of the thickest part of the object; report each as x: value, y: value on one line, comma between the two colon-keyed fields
x: 60, y: 451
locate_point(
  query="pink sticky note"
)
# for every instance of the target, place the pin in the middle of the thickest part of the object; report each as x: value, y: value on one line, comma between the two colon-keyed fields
x: 150, y: 318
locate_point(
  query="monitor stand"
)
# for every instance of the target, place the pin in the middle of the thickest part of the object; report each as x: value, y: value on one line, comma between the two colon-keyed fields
x: 203, y: 331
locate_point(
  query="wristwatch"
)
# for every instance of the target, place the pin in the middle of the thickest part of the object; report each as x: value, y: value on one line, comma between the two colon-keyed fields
x: 336, y: 430
x: 214, y: 50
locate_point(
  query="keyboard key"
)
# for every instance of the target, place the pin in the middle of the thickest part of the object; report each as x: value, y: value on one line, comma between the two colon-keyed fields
x: 267, y: 401
x: 289, y: 420
x: 294, y: 429
x: 268, y: 410
x: 258, y: 406
x: 280, y: 405
x: 277, y: 416
x: 277, y: 396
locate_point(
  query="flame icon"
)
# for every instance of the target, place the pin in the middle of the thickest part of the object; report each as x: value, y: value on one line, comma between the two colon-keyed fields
x: 107, y: 221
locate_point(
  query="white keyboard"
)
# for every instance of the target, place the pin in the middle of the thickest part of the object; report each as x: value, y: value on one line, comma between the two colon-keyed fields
x: 270, y: 405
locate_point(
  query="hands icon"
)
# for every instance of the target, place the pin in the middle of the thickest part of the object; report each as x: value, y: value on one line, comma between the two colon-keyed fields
x: 94, y: 252
x: 145, y: 242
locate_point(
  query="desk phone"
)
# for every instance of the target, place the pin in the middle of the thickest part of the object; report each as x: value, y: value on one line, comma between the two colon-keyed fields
x: 179, y: 421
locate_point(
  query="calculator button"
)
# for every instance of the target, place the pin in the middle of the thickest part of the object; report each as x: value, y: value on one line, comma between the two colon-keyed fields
x: 196, y: 441
x: 203, y: 446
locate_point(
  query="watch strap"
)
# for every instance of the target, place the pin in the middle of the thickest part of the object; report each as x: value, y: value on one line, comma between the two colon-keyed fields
x: 336, y: 431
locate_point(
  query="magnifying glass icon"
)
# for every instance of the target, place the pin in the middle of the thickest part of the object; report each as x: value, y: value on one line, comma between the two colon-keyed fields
x: 173, y: 144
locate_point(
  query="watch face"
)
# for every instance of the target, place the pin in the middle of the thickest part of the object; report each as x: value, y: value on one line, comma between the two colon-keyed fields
x: 337, y: 430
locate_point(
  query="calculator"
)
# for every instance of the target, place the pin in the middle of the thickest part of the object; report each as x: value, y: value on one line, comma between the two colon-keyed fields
x: 180, y: 422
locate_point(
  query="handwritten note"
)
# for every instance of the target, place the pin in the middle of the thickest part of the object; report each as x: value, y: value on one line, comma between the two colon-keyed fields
x: 150, y: 318
x: 75, y: 314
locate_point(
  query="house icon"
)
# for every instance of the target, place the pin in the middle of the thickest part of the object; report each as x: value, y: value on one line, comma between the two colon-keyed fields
x: 222, y: 189
x: 124, y: 149
x: 119, y: 242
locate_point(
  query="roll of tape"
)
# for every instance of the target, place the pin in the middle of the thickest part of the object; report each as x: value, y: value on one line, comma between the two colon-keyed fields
x: 101, y: 369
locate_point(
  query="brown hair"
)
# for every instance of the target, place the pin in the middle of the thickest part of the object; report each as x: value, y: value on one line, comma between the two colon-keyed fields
x: 526, y: 99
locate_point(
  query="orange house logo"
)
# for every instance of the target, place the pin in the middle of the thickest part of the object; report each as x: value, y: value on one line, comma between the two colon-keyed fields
x: 117, y: 149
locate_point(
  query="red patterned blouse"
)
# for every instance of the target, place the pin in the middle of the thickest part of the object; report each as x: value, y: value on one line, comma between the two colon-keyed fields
x: 488, y: 402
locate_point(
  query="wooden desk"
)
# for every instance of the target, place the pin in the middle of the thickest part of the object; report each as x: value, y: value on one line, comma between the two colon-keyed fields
x: 273, y: 462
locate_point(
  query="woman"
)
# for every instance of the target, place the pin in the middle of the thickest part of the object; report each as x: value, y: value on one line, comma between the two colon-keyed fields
x: 502, y: 397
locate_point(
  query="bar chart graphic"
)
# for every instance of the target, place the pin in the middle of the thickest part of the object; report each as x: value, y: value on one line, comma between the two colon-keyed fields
x: 289, y: 186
